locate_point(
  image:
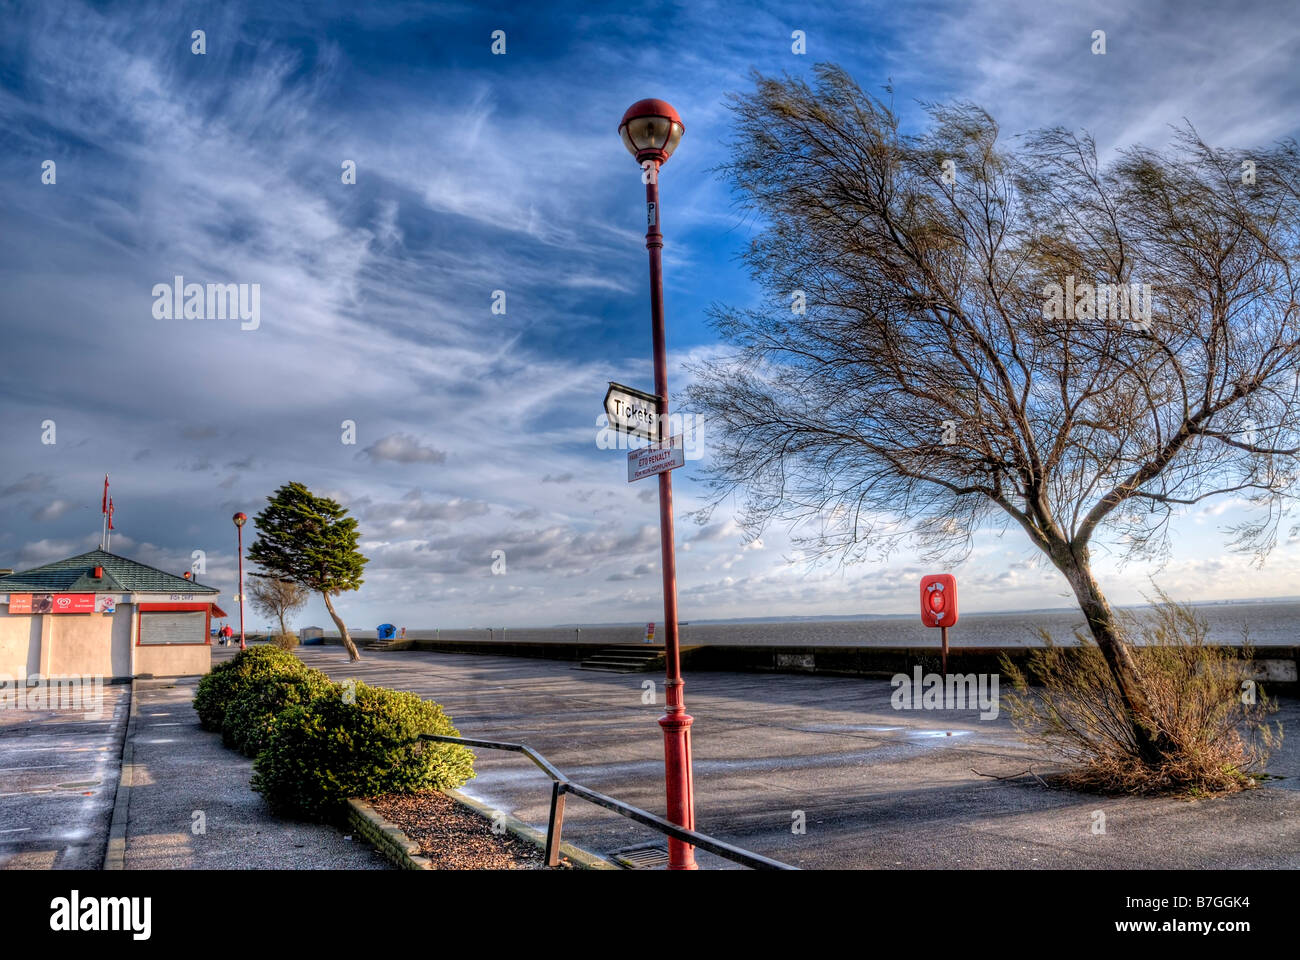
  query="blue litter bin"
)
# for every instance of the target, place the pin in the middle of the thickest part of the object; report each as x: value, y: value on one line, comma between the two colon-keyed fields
x: 385, y: 631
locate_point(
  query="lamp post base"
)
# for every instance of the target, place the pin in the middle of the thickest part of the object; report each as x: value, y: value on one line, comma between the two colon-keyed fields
x: 681, y: 791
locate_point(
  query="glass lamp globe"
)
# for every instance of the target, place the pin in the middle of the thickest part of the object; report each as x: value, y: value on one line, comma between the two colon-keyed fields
x: 651, y: 130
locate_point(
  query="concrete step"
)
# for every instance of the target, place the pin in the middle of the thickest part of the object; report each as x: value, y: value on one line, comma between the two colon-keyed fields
x: 623, y: 659
x: 606, y: 668
x: 395, y: 644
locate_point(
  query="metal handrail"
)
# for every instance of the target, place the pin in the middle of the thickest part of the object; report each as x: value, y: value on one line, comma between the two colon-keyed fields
x: 561, y: 785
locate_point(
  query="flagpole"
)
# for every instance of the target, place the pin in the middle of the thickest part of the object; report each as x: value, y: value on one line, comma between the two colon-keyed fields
x: 103, y: 509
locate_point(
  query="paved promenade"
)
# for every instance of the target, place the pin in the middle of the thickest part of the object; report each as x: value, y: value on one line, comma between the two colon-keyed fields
x: 182, y: 777
x: 184, y: 800
x: 876, y: 787
x: 873, y: 787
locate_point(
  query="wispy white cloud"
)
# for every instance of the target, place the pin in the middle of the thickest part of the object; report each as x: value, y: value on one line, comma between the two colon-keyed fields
x: 476, y: 174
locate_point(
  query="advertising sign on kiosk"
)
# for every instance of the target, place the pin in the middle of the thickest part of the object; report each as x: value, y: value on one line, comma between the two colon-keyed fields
x: 51, y: 603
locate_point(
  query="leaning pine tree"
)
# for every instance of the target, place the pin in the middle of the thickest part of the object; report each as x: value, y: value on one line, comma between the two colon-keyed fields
x: 310, y: 540
x: 956, y: 332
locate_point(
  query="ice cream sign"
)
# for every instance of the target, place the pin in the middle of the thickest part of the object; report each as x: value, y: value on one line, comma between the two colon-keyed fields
x: 51, y: 603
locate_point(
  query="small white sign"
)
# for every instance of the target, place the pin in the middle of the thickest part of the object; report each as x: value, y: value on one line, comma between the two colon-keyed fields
x: 656, y: 459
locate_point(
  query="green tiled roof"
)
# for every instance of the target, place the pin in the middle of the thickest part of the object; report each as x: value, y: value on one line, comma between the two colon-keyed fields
x: 76, y: 575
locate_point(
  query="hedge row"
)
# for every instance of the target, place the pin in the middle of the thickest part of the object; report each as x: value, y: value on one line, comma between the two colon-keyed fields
x: 316, y: 743
x: 229, y: 681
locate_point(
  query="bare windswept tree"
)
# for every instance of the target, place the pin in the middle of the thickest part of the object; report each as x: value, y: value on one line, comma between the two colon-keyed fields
x: 955, y: 333
x: 277, y: 598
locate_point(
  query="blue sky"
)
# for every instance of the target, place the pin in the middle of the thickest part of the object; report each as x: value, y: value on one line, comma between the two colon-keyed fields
x: 477, y: 172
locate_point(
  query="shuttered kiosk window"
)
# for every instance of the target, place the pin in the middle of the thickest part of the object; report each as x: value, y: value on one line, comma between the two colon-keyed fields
x: 179, y: 626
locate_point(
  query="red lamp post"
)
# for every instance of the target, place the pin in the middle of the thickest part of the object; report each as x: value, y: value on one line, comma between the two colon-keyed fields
x: 240, y: 519
x: 651, y: 130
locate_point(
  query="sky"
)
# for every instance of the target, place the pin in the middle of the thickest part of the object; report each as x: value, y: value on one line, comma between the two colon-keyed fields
x: 476, y: 432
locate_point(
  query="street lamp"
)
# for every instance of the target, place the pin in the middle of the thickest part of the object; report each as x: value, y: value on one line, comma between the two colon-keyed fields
x: 241, y: 519
x: 651, y: 130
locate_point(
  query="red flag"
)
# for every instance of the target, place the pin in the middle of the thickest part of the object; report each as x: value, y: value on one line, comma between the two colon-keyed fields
x: 110, y: 513
x: 103, y: 504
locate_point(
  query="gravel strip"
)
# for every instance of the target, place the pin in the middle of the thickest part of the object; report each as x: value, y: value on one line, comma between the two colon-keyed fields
x: 455, y: 838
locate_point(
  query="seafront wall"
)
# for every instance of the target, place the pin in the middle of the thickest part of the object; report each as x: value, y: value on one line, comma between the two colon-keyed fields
x: 1276, y: 666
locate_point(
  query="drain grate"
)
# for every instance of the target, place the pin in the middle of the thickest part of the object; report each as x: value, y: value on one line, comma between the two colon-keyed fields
x: 644, y: 856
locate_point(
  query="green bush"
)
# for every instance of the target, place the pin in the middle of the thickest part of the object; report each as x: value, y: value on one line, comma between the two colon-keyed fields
x: 210, y: 697
x: 251, y: 714
x: 324, y: 752
x: 217, y: 689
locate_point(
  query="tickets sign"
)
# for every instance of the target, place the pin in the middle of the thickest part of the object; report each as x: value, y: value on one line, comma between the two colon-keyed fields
x: 51, y: 603
x: 632, y: 411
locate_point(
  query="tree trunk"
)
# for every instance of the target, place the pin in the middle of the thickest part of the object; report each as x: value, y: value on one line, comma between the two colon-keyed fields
x: 343, y: 628
x: 283, y: 629
x: 1119, y: 656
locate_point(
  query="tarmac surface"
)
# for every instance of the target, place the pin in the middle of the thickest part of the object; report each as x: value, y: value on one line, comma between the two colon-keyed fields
x: 873, y: 787
x: 58, y: 777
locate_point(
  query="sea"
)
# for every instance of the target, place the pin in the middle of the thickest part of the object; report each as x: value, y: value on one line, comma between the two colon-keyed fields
x: 1266, y: 622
